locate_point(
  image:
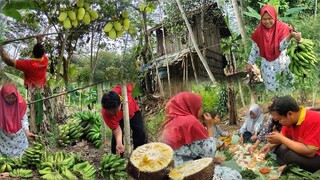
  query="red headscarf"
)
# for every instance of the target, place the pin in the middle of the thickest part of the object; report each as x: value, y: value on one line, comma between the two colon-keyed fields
x: 268, y: 40
x: 182, y: 126
x: 11, y: 114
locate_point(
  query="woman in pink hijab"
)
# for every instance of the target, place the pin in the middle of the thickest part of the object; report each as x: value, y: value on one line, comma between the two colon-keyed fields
x: 14, y: 130
x: 270, y: 41
x: 188, y: 137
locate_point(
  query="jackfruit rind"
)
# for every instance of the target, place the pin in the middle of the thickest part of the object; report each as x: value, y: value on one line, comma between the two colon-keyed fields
x: 201, y: 169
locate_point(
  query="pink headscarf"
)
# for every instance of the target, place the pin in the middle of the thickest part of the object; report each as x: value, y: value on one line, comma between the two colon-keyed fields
x: 182, y: 126
x: 11, y: 114
x: 268, y: 40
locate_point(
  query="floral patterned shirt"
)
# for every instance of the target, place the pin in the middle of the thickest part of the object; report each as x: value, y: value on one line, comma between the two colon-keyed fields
x: 204, y: 148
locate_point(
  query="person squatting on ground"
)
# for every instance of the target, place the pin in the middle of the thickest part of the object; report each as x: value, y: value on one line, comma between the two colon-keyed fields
x: 221, y: 136
x: 252, y: 124
x: 14, y: 127
x: 112, y: 114
x: 299, y: 140
x: 189, y: 138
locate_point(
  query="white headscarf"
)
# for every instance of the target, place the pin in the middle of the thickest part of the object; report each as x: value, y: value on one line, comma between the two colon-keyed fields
x: 253, y: 125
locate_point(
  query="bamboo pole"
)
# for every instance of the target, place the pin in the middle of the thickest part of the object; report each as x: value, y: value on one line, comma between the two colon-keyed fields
x: 203, y: 60
x: 63, y: 93
x: 193, y: 67
x: 33, y: 36
x: 126, y: 120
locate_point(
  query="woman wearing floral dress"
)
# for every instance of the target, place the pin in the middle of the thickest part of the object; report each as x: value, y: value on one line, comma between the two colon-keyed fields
x: 270, y: 41
x: 14, y: 130
x: 188, y: 137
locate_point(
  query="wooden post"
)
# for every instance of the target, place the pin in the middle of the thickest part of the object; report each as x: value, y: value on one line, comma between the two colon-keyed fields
x: 126, y: 120
x: 193, y: 67
x: 195, y: 44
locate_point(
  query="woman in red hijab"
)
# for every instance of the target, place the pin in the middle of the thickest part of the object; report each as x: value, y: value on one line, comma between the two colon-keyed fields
x: 188, y: 137
x: 14, y: 130
x: 270, y: 41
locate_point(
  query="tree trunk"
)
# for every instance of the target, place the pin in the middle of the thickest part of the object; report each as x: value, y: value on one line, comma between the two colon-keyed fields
x: 239, y: 20
x: 232, y: 104
x: 194, y: 41
x: 241, y: 94
x: 126, y: 120
x: 315, y: 8
x: 63, y: 46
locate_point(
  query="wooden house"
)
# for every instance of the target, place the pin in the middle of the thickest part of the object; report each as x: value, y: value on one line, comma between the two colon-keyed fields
x: 179, y: 55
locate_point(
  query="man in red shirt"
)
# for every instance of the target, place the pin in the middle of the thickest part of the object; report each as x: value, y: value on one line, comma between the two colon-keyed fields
x: 299, y: 139
x: 34, y: 69
x: 113, y: 116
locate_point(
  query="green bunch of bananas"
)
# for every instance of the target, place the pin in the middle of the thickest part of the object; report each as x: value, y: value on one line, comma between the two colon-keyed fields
x: 52, y: 175
x: 6, y: 167
x: 91, y: 124
x: 84, y: 170
x: 32, y: 157
x: 113, y: 167
x: 69, y: 132
x: 18, y: 163
x: 56, y: 163
x: 302, y: 58
x: 21, y: 173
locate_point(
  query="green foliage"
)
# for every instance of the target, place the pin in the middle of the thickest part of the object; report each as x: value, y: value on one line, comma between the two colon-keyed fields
x: 209, y: 96
x: 153, y: 125
x: 222, y: 107
x: 11, y: 8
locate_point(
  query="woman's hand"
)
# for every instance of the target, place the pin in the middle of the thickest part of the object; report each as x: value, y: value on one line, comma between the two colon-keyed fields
x: 249, y: 68
x: 241, y: 139
x: 265, y: 149
x: 217, y: 160
x: 296, y: 35
x: 207, y: 120
x: 254, y: 137
x: 30, y: 135
x: 252, y: 148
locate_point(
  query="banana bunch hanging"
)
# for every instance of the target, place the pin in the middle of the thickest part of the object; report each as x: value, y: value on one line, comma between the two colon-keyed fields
x: 302, y: 58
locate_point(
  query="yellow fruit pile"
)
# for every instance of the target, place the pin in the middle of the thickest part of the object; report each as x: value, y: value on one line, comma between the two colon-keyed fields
x: 114, y: 28
x: 71, y: 16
